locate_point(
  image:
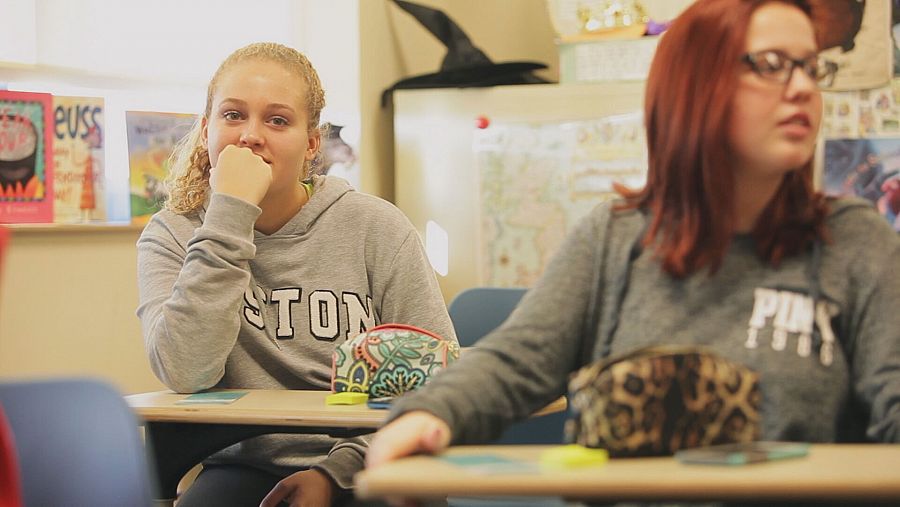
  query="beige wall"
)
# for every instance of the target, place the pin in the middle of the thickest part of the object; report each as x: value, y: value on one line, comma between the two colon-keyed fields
x: 67, y: 306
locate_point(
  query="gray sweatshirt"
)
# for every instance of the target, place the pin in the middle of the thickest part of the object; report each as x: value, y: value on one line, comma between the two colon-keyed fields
x: 830, y: 369
x: 223, y: 305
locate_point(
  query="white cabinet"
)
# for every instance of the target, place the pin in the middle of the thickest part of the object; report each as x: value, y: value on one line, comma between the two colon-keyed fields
x: 436, y: 173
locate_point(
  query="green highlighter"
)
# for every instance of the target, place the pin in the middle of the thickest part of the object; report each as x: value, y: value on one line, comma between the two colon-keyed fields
x: 346, y: 398
x: 573, y: 456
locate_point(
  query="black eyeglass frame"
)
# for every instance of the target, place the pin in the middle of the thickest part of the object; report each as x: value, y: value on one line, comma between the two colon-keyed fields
x: 822, y: 73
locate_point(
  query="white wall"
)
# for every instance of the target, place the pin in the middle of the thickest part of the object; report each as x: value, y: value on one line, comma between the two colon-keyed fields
x: 17, y: 38
x: 159, y: 41
x: 330, y: 38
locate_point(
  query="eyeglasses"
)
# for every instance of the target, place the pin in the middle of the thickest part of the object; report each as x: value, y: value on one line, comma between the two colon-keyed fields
x: 776, y: 66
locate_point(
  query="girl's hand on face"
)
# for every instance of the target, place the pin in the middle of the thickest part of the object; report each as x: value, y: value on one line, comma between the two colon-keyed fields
x: 412, y: 433
x: 241, y: 173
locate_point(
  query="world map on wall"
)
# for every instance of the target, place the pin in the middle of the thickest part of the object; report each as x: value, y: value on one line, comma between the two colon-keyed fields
x: 537, y: 179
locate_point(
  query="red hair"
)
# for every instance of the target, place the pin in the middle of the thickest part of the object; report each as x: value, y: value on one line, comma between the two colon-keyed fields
x: 690, y: 185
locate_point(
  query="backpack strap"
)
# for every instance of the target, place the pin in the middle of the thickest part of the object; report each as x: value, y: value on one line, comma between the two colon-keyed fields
x: 838, y: 206
x: 610, y: 277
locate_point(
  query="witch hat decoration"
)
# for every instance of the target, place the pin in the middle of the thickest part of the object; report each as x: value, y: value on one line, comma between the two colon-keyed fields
x: 464, y: 64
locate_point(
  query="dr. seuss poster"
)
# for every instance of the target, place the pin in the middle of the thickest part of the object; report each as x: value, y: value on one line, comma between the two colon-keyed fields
x: 26, y: 164
x: 78, y: 159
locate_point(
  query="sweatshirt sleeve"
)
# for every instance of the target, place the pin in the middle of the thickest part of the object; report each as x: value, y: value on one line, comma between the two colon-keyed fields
x: 525, y: 363
x: 875, y: 361
x: 190, y: 295
x: 410, y: 293
x: 346, y: 459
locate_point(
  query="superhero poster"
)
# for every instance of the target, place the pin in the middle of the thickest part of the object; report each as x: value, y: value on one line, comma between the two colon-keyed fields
x: 867, y: 168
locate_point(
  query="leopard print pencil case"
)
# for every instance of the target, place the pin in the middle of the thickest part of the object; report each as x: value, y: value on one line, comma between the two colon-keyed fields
x: 656, y: 400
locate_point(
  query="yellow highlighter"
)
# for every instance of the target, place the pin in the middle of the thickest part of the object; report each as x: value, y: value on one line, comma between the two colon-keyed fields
x: 346, y: 398
x: 573, y: 456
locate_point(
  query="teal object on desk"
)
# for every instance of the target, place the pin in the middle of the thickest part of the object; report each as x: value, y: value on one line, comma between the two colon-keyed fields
x: 742, y: 454
x: 211, y: 398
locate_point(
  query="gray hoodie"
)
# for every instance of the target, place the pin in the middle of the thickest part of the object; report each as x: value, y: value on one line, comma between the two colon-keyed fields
x: 223, y: 305
x: 822, y: 330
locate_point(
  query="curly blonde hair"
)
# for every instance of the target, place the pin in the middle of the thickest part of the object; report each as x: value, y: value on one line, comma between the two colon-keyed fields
x: 188, y: 179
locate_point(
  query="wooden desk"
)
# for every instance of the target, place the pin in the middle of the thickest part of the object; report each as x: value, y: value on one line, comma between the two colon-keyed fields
x: 831, y: 473
x: 258, y: 407
x: 180, y: 436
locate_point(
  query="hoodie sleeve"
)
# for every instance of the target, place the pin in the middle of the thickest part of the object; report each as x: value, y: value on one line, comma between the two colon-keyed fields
x: 876, y: 358
x: 874, y: 327
x: 410, y: 293
x: 524, y: 364
x: 346, y: 459
x: 190, y: 294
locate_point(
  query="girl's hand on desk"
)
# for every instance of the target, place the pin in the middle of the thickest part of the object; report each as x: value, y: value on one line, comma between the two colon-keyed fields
x: 309, y: 488
x: 241, y: 173
x: 412, y: 433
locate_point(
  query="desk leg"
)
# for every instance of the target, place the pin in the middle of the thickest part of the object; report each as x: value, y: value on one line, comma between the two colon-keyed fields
x: 176, y: 447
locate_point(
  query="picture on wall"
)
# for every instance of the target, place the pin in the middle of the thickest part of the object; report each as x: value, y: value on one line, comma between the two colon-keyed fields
x: 336, y: 156
x: 78, y: 159
x: 536, y: 180
x: 26, y: 163
x: 895, y: 34
x: 151, y: 139
x: 857, y: 36
x: 867, y: 168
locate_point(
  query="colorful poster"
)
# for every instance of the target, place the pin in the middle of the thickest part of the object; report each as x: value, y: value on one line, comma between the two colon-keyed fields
x: 337, y: 156
x: 26, y: 164
x: 873, y: 112
x: 537, y: 180
x: 867, y: 168
x: 895, y: 34
x: 151, y: 138
x: 78, y: 160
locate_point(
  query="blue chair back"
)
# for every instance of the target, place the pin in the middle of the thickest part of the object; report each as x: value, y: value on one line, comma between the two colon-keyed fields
x: 477, y: 311
x: 78, y: 444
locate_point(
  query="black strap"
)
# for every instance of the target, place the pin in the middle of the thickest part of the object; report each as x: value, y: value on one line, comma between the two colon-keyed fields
x: 593, y: 319
x: 617, y: 295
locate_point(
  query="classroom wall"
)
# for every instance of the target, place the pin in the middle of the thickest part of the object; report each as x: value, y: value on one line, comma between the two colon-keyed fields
x: 67, y: 302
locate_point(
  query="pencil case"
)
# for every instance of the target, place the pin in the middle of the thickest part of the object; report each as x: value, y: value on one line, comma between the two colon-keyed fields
x: 389, y: 360
x: 657, y: 400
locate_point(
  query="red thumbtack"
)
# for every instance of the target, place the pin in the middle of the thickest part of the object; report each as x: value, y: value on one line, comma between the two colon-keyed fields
x: 482, y: 122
